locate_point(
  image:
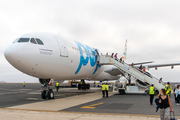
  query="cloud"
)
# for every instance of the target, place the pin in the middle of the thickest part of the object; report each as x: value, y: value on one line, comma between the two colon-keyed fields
x: 151, y: 27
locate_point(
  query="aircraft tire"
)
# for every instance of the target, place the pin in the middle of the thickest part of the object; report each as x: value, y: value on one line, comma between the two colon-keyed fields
x: 84, y: 86
x: 51, y: 94
x: 79, y: 86
x: 43, y: 94
x: 121, y: 92
x: 88, y: 86
x: 48, y: 95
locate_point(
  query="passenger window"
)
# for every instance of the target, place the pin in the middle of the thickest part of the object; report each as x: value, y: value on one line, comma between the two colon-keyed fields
x: 39, y: 41
x: 23, y: 40
x: 33, y: 41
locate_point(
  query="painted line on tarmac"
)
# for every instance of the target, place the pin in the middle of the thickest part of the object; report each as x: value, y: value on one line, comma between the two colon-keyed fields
x: 132, y: 115
x: 33, y: 99
x: 92, y: 106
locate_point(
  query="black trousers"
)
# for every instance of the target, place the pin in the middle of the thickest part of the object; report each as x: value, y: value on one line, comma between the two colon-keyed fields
x: 106, y: 93
x: 57, y: 88
x: 103, y: 93
x: 175, y: 98
x: 178, y: 98
x: 151, y: 99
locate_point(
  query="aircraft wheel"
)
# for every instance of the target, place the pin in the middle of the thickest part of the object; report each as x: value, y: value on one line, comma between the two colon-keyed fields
x: 43, y: 94
x: 51, y: 94
x: 48, y: 95
x: 88, y: 86
x: 121, y: 92
x: 84, y: 86
x: 79, y: 86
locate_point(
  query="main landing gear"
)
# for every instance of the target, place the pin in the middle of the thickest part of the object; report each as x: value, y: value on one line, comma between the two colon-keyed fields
x: 83, y: 85
x: 47, y: 93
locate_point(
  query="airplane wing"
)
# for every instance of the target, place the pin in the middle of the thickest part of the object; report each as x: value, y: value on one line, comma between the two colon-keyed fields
x: 162, y: 65
x: 140, y: 63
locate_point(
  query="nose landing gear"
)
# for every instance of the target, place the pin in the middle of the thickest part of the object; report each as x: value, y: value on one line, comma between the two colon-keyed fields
x: 47, y: 94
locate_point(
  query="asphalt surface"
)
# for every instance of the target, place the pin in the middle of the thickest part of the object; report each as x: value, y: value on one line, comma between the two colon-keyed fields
x: 122, y: 104
x: 14, y: 94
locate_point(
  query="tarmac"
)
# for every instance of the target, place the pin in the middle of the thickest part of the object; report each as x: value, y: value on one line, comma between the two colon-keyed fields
x: 72, y: 104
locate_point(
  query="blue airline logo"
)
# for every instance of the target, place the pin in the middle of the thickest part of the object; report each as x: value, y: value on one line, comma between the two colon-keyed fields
x: 90, y: 55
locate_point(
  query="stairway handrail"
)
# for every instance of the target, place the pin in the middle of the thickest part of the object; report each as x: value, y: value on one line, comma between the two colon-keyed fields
x: 134, y: 68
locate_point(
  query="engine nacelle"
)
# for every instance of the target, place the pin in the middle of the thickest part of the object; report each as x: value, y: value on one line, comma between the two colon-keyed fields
x: 142, y: 84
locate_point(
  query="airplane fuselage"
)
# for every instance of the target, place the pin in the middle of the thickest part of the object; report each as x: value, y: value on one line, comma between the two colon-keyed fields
x: 52, y: 56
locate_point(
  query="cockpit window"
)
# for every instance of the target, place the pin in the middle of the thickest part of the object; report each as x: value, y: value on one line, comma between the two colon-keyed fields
x: 33, y: 41
x: 23, y: 40
x: 16, y: 40
x: 39, y: 41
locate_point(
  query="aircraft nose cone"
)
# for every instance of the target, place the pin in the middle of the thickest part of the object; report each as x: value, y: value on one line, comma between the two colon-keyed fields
x: 8, y: 53
x: 13, y: 54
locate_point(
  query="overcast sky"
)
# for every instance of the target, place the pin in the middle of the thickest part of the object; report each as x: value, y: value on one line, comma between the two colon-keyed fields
x: 151, y: 27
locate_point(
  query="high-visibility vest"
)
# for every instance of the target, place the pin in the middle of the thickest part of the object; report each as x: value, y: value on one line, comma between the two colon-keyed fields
x: 107, y: 87
x: 151, y: 91
x: 103, y: 87
x: 23, y: 83
x: 57, y: 84
x: 168, y: 89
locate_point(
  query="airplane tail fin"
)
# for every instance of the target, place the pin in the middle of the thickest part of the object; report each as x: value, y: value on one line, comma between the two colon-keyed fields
x: 125, y: 51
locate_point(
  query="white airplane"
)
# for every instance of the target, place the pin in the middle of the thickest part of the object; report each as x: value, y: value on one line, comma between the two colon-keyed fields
x: 52, y: 56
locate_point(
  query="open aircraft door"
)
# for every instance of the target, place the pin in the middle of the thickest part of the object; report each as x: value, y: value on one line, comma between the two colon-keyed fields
x: 62, y: 47
x: 97, y: 53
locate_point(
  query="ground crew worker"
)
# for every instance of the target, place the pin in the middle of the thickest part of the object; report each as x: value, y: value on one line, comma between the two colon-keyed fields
x: 103, y: 89
x: 151, y: 93
x: 107, y: 89
x: 24, y: 84
x: 57, y: 86
x: 168, y: 89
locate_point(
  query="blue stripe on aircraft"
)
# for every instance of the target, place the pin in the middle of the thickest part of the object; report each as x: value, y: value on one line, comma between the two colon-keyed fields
x: 90, y: 55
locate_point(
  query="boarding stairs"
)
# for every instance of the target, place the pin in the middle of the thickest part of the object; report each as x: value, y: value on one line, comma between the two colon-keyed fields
x: 133, y: 71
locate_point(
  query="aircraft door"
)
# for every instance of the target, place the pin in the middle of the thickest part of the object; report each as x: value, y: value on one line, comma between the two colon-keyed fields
x: 62, y: 47
x: 97, y: 53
